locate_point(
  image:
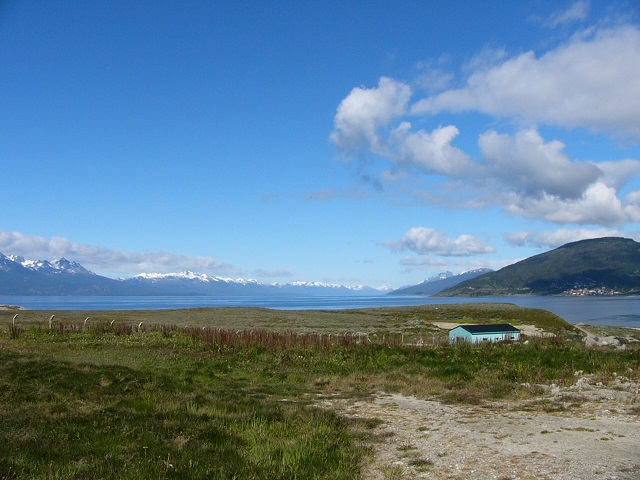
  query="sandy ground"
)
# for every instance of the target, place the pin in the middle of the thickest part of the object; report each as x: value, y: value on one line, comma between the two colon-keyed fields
x: 585, y: 431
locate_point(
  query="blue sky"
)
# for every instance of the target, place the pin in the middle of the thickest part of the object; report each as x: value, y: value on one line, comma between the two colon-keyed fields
x: 372, y: 143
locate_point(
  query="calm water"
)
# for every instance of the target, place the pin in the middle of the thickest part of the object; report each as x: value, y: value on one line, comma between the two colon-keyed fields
x: 622, y: 311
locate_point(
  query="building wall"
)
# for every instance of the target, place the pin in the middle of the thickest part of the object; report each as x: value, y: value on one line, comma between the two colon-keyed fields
x: 493, y: 337
x: 459, y: 334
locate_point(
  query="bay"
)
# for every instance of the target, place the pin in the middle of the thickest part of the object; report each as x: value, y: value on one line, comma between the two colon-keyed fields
x: 595, y: 310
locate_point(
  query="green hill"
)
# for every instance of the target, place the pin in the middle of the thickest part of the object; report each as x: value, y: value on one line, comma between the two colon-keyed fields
x: 610, y: 263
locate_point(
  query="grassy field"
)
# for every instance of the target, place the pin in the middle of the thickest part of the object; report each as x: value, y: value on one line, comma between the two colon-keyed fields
x: 231, y: 393
x: 410, y: 321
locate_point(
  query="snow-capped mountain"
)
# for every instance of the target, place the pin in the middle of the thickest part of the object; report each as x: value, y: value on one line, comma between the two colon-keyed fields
x: 190, y: 283
x: 187, y: 275
x: 19, y: 276
x: 7, y: 263
x: 439, y: 282
x: 61, y: 265
x: 439, y: 276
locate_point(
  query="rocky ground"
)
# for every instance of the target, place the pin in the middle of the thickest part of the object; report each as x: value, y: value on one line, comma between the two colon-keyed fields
x: 584, y: 431
x: 602, y: 336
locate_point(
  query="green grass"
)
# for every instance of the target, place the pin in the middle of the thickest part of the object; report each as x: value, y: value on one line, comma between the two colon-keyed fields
x: 414, y: 322
x: 170, y: 414
x: 161, y: 400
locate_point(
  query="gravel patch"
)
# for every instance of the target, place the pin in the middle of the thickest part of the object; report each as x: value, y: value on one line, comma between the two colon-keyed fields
x: 585, y: 431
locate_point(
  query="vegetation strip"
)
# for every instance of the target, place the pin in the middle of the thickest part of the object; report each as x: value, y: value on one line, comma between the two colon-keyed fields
x: 121, y: 399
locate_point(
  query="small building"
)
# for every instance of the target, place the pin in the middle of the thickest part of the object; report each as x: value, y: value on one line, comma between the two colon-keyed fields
x: 496, y: 332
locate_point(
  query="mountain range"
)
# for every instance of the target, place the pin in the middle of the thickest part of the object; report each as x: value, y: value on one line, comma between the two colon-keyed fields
x: 600, y: 266
x: 609, y: 265
x: 19, y: 276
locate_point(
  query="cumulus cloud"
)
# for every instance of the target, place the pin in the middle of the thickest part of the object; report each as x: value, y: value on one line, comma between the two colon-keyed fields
x: 553, y: 239
x: 431, y: 152
x: 633, y: 206
x: 590, y: 81
x: 598, y: 205
x: 523, y: 173
x: 427, y: 241
x: 530, y: 165
x: 364, y: 122
x: 536, y: 179
x: 365, y: 110
x: 107, y: 261
x: 617, y: 173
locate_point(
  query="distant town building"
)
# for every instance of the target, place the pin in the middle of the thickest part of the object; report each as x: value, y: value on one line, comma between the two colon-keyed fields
x: 496, y: 332
x: 582, y: 292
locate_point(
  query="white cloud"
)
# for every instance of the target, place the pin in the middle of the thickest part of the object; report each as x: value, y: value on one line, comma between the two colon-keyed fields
x: 365, y: 110
x: 598, y: 205
x: 431, y: 77
x: 536, y: 179
x: 425, y: 241
x: 591, y: 82
x: 577, y: 12
x: 363, y: 122
x: 107, y: 261
x: 633, y: 206
x: 552, y: 239
x: 431, y: 152
x: 487, y: 58
x: 616, y: 174
x: 523, y: 173
x: 529, y: 165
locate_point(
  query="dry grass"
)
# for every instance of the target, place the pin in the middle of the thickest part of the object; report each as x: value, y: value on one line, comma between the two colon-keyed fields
x: 415, y: 324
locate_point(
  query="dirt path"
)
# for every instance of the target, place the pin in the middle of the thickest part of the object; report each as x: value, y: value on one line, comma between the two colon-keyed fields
x: 594, y: 432
x: 590, y: 339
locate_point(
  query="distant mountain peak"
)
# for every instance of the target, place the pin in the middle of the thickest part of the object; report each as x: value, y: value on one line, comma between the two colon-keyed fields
x: 440, y: 282
x: 439, y: 276
x: 478, y: 270
x: 186, y: 275
x: 61, y: 265
x: 68, y: 266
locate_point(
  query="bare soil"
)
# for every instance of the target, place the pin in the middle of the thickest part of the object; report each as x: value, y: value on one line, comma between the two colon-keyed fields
x: 588, y: 430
